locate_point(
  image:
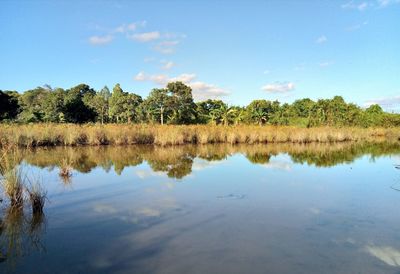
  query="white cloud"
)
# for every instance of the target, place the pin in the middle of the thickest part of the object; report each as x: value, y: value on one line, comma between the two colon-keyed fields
x: 358, y: 6
x: 204, y: 91
x: 201, y: 90
x: 100, y: 40
x: 266, y: 71
x: 388, y: 103
x: 166, y: 47
x: 278, y: 87
x: 160, y: 79
x: 185, y: 78
x: 167, y: 65
x: 145, y: 36
x: 322, y: 39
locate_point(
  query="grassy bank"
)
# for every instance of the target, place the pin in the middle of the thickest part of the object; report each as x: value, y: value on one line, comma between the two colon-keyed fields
x: 34, y: 135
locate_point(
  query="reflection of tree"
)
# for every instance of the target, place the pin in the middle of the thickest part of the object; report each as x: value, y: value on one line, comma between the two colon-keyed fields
x: 177, y: 168
x: 332, y: 157
x: 20, y: 235
x: 259, y: 158
x: 177, y: 161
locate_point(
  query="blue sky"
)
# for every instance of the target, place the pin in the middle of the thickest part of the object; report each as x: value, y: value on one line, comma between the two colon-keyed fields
x: 234, y: 50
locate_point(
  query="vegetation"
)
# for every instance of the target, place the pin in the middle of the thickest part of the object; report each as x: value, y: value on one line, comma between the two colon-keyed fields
x: 13, y: 182
x: 65, y: 170
x: 33, y: 135
x: 177, y: 161
x: 37, y: 197
x: 174, y: 104
x: 11, y: 178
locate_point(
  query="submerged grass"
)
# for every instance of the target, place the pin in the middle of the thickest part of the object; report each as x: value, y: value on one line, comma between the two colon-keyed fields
x: 34, y: 135
x: 37, y: 196
x: 65, y: 172
x: 11, y: 177
x: 13, y: 181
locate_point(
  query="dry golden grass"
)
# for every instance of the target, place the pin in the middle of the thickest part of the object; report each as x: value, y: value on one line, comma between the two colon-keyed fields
x: 33, y: 135
x: 11, y: 177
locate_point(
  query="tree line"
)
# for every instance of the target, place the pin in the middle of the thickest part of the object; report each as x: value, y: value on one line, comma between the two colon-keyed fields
x: 174, y: 104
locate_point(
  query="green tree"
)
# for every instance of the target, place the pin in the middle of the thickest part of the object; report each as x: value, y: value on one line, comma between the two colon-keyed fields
x: 259, y: 111
x: 181, y: 103
x: 158, y: 105
x: 77, y: 108
x: 9, y: 107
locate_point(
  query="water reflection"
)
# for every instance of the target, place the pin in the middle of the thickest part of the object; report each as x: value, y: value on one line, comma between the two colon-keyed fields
x: 243, y: 209
x: 20, y: 235
x: 178, y: 162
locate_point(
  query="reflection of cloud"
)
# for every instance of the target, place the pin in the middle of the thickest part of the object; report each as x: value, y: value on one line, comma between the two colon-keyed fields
x: 386, y: 254
x: 200, y: 164
x: 104, y: 208
x: 149, y: 212
x: 170, y: 185
x: 282, y: 165
x: 315, y: 211
x: 144, y: 173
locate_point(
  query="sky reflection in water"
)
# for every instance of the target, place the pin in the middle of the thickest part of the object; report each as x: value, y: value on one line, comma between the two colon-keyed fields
x: 213, y: 209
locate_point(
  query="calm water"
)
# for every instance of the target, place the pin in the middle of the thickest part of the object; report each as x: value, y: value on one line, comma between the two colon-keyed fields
x: 211, y: 209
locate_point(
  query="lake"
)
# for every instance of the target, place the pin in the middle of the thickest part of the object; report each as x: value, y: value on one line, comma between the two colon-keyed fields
x: 282, y: 208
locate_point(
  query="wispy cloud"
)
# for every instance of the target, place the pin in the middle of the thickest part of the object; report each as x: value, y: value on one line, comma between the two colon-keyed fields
x: 167, y: 65
x: 325, y: 64
x: 374, y: 4
x: 109, y: 33
x: 145, y: 36
x: 361, y: 6
x: 100, y: 40
x: 278, y: 87
x: 166, y: 47
x: 322, y: 39
x: 385, y: 3
x: 124, y: 28
x: 267, y: 71
x: 357, y: 26
x: 201, y: 90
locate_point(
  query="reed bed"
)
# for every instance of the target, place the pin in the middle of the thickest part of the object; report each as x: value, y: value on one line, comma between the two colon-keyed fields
x: 36, y: 135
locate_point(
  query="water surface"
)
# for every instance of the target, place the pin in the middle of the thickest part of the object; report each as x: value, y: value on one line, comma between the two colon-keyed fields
x: 210, y: 209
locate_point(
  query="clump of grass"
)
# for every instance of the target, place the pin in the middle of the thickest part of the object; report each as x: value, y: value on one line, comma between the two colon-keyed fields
x: 65, y: 169
x: 37, y: 196
x: 11, y: 177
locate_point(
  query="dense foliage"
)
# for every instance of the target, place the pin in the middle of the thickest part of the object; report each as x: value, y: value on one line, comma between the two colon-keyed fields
x: 174, y: 104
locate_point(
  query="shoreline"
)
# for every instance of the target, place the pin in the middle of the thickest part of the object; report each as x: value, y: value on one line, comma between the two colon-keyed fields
x: 43, y: 135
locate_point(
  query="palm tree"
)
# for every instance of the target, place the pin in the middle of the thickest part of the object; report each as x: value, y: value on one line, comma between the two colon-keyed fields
x: 239, y: 114
x: 259, y: 116
x: 224, y: 114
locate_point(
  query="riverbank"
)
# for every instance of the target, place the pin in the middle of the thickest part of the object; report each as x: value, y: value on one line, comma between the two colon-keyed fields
x: 35, y: 135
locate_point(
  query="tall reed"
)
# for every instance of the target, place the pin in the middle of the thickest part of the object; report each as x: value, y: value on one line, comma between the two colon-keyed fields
x: 33, y: 135
x: 11, y: 177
